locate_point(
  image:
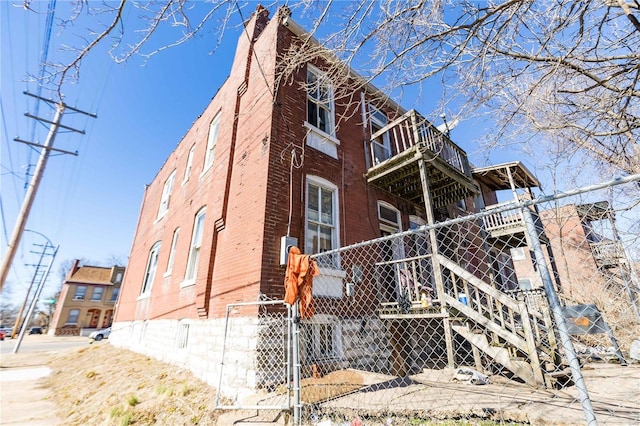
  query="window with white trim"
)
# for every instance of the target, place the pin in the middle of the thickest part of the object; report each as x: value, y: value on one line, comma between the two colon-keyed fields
x: 324, y: 337
x: 150, y: 271
x: 166, y: 195
x: 74, y: 314
x: 182, y: 336
x: 81, y: 292
x: 320, y: 124
x: 320, y: 109
x: 322, y: 220
x: 214, y: 129
x: 187, y: 169
x: 381, y: 145
x: 196, y: 243
x: 172, y: 252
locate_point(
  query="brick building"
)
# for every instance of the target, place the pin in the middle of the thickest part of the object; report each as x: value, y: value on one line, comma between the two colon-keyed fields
x: 87, y: 300
x: 268, y: 159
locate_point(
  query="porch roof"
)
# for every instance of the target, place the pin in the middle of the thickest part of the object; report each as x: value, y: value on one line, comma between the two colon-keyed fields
x: 497, y: 178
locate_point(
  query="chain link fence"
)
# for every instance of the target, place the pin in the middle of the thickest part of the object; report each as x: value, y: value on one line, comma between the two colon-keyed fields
x: 525, y: 313
x: 255, y: 367
x: 510, y: 315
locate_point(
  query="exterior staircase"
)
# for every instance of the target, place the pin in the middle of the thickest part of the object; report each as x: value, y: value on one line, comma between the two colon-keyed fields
x: 504, y: 329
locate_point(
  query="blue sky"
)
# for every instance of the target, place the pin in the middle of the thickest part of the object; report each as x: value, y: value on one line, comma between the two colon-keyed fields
x: 89, y: 204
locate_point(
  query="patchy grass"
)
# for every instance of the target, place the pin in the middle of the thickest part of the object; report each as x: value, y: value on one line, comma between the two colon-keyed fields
x: 102, y: 384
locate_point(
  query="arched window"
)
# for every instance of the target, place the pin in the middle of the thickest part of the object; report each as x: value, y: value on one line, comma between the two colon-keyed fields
x: 150, y: 272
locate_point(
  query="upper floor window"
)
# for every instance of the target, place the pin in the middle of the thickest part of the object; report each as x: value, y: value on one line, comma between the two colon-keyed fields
x: 166, y: 194
x: 187, y: 169
x: 320, y: 112
x: 380, y: 144
x: 172, y: 252
x: 150, y: 272
x: 96, y: 296
x: 81, y: 292
x: 196, y: 243
x: 114, y: 294
x: 322, y: 216
x: 212, y: 142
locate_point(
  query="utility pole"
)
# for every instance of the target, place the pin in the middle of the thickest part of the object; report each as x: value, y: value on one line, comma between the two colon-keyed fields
x: 37, y: 275
x: 36, y: 178
x: 34, y: 301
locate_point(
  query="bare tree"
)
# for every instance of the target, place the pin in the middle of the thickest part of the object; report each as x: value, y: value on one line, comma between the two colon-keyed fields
x: 564, y: 72
x: 561, y: 72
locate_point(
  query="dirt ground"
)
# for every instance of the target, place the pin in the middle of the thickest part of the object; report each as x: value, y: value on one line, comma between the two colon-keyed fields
x: 101, y: 384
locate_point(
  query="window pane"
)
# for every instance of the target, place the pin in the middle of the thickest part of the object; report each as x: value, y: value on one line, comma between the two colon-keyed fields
x: 323, y: 94
x: 194, y: 251
x: 327, y: 206
x: 312, y: 84
x: 114, y: 295
x: 213, y: 140
x: 312, y: 239
x: 197, y: 238
x: 323, y: 120
x: 97, y: 294
x: 325, y: 238
x: 388, y: 214
x: 312, y: 113
x: 313, y: 212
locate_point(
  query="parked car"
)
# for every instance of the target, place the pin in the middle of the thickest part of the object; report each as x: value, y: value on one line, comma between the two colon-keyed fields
x: 1, y: 334
x: 35, y: 330
x: 100, y: 334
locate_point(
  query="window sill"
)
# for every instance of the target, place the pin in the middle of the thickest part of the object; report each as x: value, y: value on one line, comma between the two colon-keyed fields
x: 144, y: 296
x: 205, y: 171
x: 321, y: 141
x: 166, y: 274
x: 159, y: 218
x: 187, y: 283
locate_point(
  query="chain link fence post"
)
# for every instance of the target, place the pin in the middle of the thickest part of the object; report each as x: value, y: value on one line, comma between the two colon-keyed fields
x: 554, y: 304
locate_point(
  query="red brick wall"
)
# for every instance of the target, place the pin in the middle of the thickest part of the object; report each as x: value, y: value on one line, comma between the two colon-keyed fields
x: 246, y: 193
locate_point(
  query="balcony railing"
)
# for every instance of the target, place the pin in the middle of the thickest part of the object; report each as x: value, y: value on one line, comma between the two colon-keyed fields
x: 412, y: 129
x: 503, y: 221
x: 608, y: 253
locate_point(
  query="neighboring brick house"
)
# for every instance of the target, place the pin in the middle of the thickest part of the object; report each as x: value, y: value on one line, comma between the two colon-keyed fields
x: 87, y: 300
x: 267, y: 159
x: 592, y: 263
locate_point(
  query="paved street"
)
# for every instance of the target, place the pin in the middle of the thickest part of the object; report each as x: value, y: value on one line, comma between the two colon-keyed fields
x: 39, y: 342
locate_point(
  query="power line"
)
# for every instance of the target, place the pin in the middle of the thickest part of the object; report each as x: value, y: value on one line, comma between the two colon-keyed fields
x: 42, y: 69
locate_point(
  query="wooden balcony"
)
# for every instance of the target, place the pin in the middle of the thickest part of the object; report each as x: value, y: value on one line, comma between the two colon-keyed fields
x: 508, y: 226
x: 398, y: 148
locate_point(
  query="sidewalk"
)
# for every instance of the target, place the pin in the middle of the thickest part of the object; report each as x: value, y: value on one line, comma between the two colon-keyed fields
x: 24, y: 398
